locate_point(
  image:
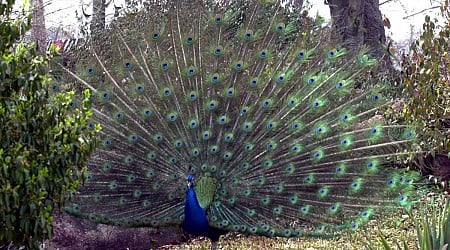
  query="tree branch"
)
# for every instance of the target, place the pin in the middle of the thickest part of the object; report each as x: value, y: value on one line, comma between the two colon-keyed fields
x: 387, y: 1
x: 422, y: 11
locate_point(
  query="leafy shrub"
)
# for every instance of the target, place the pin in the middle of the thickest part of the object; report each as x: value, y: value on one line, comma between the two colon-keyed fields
x: 427, y: 78
x: 45, y: 137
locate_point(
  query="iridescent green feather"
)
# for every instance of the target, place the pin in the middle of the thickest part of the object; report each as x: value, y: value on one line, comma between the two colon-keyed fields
x: 283, y: 131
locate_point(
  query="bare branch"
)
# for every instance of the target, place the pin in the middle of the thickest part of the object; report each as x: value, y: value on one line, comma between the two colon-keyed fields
x: 422, y: 11
x: 387, y: 1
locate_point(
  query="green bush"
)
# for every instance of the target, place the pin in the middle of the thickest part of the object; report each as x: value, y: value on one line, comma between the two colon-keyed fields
x: 427, y: 82
x: 45, y: 137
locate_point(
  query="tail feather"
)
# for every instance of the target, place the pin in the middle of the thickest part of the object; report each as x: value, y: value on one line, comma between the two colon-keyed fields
x: 240, y: 95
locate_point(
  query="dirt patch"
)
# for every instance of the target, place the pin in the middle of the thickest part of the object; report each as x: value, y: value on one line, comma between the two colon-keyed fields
x: 71, y: 233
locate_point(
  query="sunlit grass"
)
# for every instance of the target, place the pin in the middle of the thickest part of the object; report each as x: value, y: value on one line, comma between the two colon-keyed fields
x: 396, y: 227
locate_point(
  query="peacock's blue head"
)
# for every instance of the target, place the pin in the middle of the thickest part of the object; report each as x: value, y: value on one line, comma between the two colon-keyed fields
x: 190, y: 181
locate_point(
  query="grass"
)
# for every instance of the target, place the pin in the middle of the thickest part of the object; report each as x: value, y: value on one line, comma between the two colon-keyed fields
x: 395, y: 230
x: 391, y: 227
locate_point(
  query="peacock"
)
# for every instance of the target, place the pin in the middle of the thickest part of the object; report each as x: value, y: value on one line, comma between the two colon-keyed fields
x: 237, y: 116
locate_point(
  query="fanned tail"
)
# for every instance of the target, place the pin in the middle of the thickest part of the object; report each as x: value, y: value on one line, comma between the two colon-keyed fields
x: 264, y: 115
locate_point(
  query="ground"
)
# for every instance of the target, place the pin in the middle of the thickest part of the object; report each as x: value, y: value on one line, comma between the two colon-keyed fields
x: 72, y: 233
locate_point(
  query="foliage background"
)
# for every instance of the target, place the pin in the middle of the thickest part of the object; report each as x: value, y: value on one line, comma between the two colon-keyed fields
x: 427, y: 82
x: 45, y: 137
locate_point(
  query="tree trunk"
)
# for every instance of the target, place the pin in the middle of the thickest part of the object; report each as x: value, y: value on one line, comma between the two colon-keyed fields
x: 98, y: 23
x: 98, y: 16
x: 38, y: 31
x: 298, y: 4
x: 357, y: 23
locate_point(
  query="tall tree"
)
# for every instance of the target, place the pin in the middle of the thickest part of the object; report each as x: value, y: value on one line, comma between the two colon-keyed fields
x: 359, y: 22
x: 38, y: 31
x: 98, y: 15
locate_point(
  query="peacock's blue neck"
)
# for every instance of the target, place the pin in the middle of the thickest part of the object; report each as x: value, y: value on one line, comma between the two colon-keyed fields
x: 195, y: 220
